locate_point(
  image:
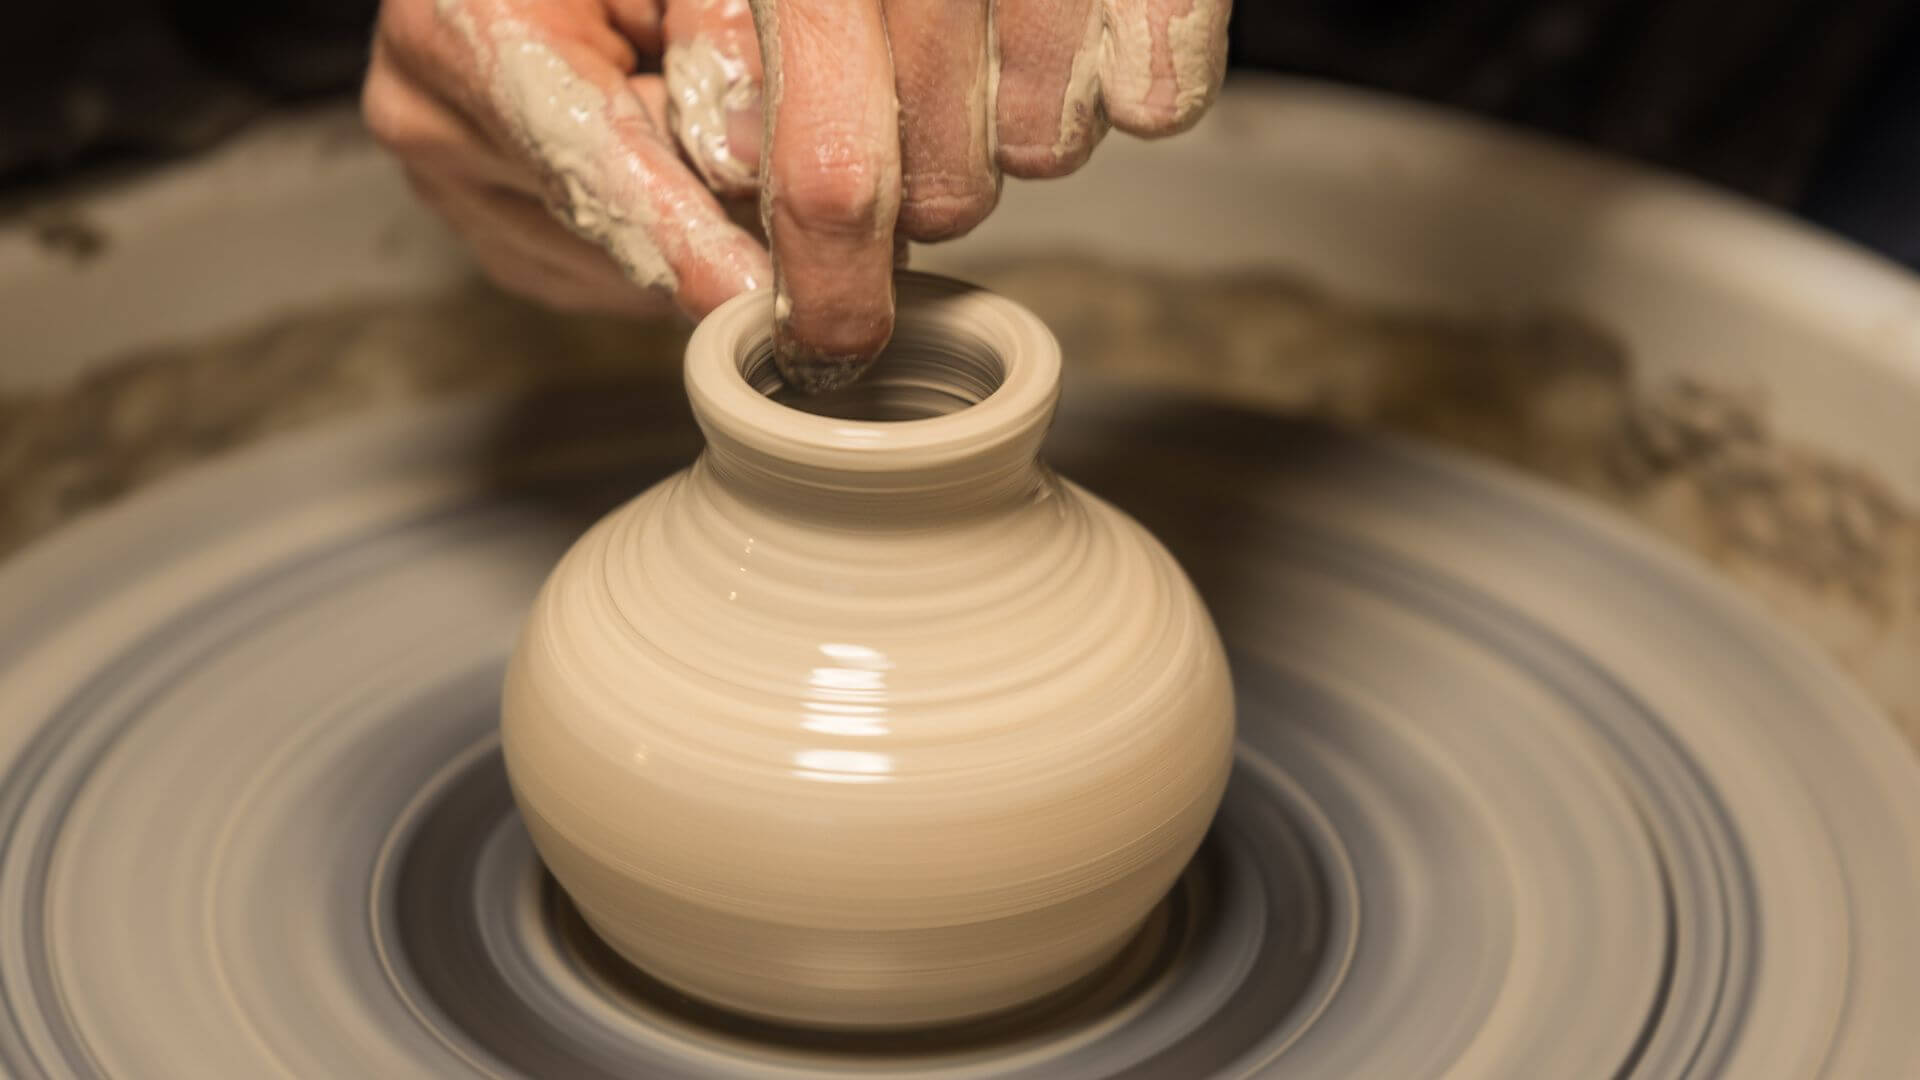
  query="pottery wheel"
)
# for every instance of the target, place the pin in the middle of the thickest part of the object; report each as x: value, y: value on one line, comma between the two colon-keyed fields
x: 1519, y: 792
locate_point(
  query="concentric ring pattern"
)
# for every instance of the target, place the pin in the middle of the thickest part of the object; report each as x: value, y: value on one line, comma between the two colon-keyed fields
x: 1518, y: 792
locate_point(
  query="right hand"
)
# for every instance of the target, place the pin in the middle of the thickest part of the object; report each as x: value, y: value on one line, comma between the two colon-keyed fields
x: 884, y: 128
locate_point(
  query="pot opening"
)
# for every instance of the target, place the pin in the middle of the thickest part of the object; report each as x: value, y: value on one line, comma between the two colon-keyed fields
x: 917, y: 377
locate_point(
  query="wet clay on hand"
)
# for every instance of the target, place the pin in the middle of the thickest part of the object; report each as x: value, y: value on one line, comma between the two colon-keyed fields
x: 894, y: 120
x: 646, y: 126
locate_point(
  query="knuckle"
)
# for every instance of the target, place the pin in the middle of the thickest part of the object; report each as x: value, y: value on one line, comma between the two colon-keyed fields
x: 843, y: 187
x: 383, y: 109
x: 834, y: 201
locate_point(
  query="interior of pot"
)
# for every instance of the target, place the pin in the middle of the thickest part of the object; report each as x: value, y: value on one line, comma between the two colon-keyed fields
x: 915, y: 378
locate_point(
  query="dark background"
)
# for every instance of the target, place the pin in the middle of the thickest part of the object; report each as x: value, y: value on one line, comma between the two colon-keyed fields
x: 1812, y: 106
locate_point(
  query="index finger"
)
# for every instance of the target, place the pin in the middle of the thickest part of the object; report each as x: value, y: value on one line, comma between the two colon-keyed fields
x: 832, y: 184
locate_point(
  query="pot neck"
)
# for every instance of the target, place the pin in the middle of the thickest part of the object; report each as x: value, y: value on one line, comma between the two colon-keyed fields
x: 948, y: 420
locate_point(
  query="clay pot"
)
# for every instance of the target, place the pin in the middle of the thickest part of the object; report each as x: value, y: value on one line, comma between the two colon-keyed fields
x: 867, y: 719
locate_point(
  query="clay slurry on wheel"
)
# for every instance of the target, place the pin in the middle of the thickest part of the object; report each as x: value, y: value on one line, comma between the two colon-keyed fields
x: 1519, y: 793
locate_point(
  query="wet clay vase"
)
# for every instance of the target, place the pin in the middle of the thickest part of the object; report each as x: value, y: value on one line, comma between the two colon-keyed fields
x: 867, y: 719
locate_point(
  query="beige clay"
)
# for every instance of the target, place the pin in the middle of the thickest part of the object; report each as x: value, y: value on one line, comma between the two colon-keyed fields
x: 869, y: 722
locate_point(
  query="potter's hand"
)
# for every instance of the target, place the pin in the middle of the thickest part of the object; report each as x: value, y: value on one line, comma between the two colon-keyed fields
x: 888, y: 121
x: 846, y: 167
x: 496, y: 107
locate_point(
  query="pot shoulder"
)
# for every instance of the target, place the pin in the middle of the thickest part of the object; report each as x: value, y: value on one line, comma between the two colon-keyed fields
x: 1046, y: 683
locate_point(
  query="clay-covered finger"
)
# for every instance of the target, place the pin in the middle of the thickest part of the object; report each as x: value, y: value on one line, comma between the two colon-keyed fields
x: 831, y: 184
x: 1048, y: 116
x: 425, y: 132
x: 523, y: 250
x: 1161, y: 62
x: 712, y: 67
x: 558, y: 84
x: 943, y: 68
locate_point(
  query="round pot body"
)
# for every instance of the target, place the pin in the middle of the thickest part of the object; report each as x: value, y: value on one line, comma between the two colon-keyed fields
x: 867, y: 719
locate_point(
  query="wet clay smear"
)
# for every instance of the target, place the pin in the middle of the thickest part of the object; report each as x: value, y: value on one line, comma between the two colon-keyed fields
x: 1823, y: 544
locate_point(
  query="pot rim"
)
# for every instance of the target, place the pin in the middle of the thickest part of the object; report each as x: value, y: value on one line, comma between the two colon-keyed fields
x: 736, y: 414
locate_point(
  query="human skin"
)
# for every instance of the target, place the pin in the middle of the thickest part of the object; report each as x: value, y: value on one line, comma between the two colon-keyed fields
x: 604, y: 155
